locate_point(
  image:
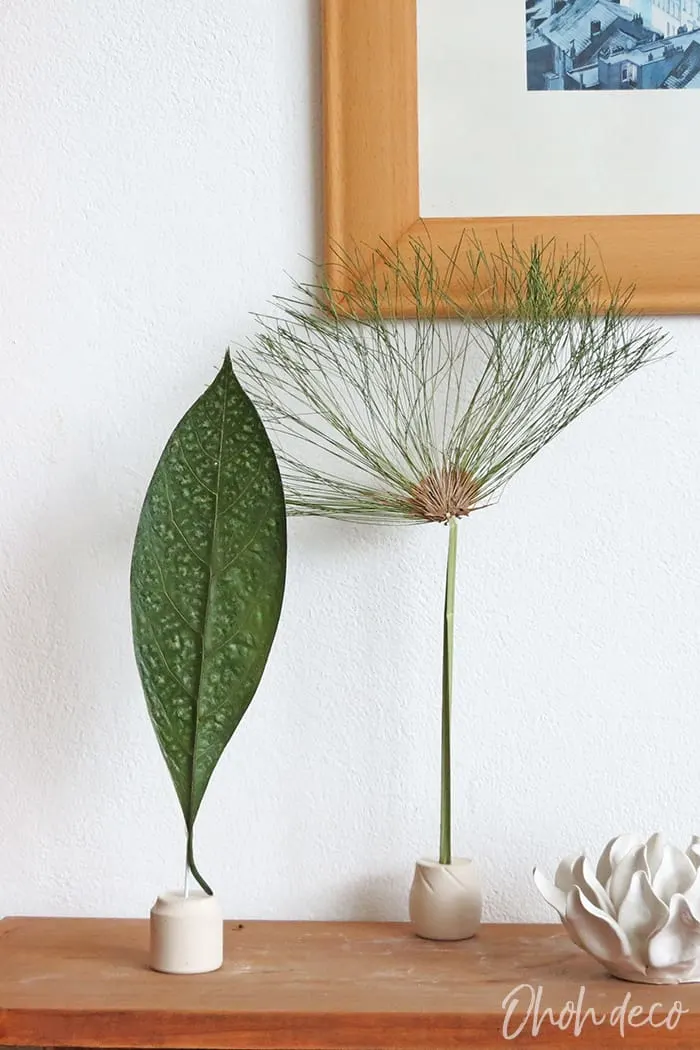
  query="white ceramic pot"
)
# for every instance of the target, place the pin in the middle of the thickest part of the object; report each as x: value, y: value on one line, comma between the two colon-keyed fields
x: 187, y: 934
x: 445, y: 902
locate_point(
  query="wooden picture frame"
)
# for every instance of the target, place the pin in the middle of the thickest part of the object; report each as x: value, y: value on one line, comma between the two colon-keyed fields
x: 370, y: 85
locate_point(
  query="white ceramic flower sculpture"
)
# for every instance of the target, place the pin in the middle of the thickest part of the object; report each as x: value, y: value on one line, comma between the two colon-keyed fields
x: 638, y: 913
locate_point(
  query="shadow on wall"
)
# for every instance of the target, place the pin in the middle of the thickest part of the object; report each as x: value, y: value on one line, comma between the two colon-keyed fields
x: 376, y: 899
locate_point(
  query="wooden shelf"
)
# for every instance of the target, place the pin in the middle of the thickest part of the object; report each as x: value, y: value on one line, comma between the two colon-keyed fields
x: 318, y: 986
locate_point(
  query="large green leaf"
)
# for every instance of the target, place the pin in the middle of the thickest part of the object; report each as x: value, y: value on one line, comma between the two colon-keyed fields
x: 207, y: 579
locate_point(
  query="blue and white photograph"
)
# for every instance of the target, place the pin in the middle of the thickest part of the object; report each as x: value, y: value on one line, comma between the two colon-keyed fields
x: 612, y: 45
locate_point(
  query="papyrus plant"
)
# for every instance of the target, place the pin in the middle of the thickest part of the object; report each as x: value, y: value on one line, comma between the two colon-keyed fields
x: 392, y: 402
x: 207, y: 579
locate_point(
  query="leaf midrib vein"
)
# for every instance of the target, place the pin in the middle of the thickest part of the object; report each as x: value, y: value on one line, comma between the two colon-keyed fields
x: 205, y: 632
x: 244, y: 675
x: 240, y: 630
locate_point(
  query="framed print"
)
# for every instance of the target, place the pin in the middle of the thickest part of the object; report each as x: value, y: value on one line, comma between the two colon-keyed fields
x: 558, y: 120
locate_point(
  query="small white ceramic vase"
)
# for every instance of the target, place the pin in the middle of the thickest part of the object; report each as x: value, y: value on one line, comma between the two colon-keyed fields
x: 638, y: 912
x: 187, y: 934
x: 445, y: 901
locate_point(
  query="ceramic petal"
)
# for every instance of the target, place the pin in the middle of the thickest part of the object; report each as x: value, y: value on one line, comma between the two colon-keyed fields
x: 619, y: 882
x: 564, y: 875
x: 677, y: 946
x: 599, y: 934
x: 551, y: 893
x: 654, y: 853
x: 613, y: 853
x: 675, y: 874
x: 641, y: 915
x: 585, y: 878
x: 693, y: 851
x: 692, y: 896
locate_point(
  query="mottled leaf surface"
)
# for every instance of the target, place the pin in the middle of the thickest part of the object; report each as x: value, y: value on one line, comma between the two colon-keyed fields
x: 207, y: 579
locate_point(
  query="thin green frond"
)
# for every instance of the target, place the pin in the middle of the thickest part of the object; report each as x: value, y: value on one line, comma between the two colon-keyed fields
x: 412, y: 387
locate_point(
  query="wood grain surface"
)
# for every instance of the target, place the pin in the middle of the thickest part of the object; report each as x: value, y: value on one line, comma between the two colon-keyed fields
x: 370, y: 100
x: 85, y: 982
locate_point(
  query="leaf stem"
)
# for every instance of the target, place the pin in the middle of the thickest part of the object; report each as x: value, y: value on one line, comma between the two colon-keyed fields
x: 193, y: 867
x: 447, y: 667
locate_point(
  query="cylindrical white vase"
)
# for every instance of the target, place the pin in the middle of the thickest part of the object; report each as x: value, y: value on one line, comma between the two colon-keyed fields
x: 187, y: 933
x: 445, y: 902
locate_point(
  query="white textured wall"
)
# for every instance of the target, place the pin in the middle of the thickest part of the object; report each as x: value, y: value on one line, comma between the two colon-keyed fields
x: 158, y: 173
